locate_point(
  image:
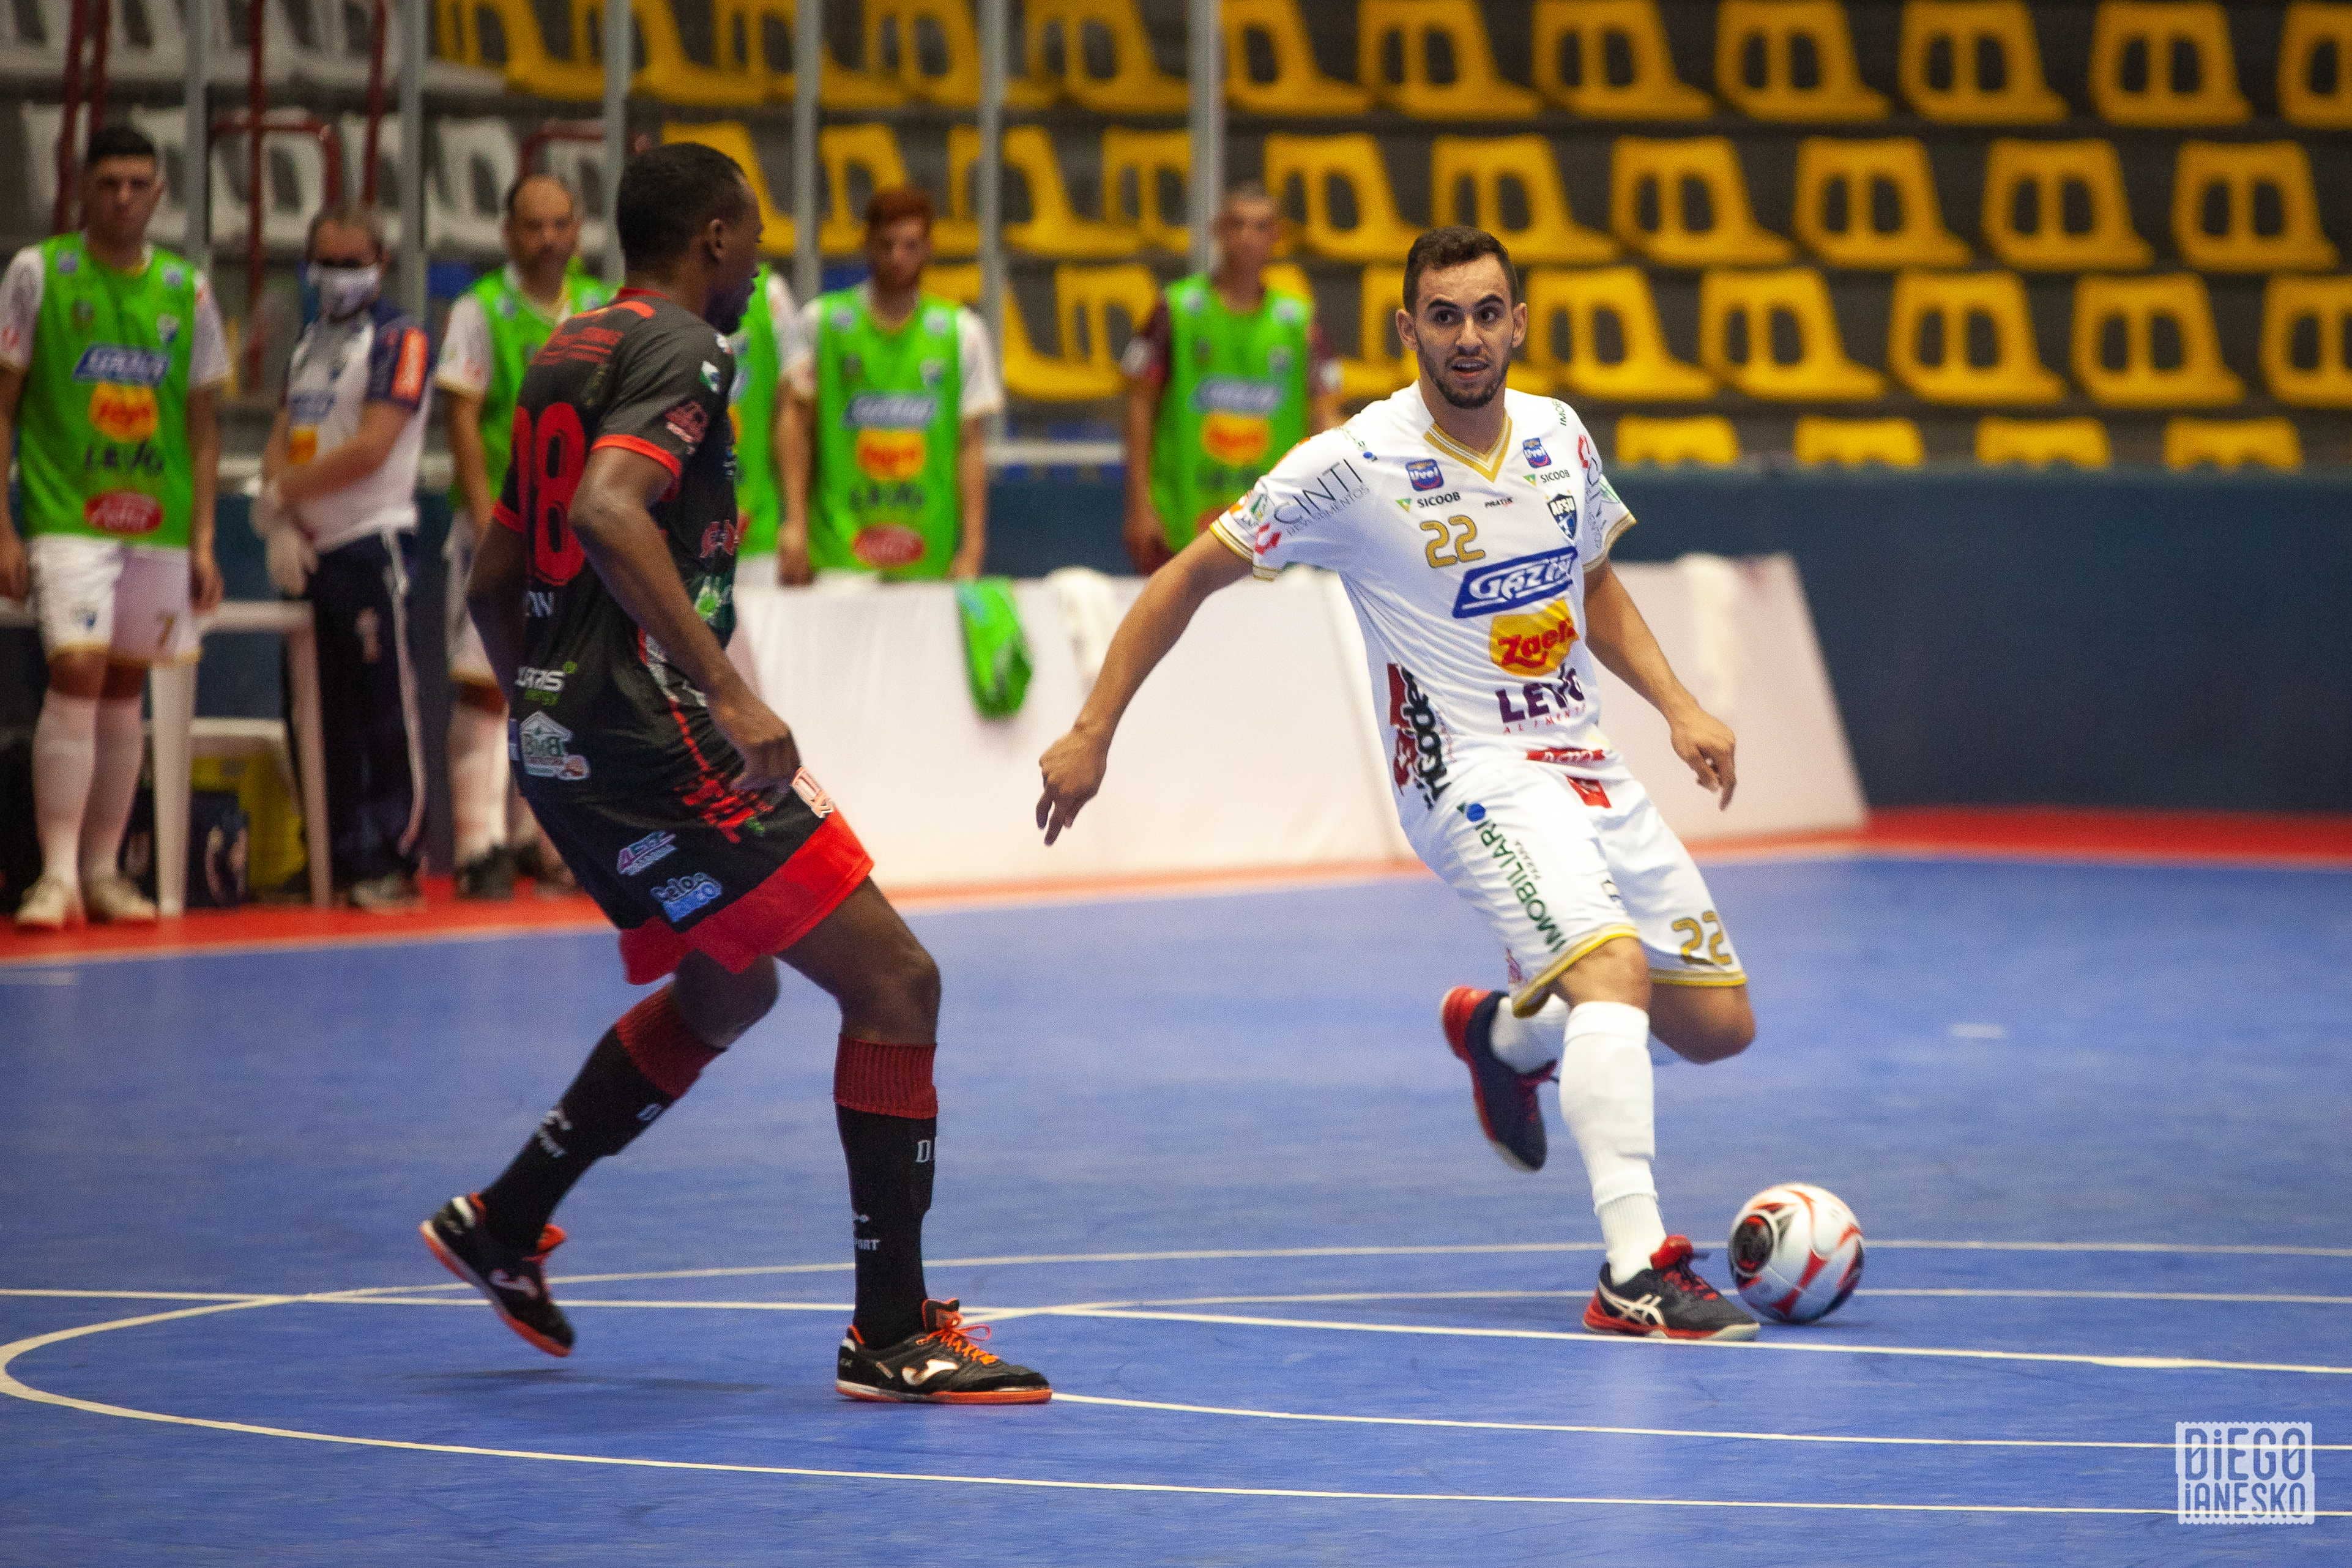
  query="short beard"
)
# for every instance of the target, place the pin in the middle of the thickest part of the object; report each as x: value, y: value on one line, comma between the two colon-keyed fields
x: 1431, y: 373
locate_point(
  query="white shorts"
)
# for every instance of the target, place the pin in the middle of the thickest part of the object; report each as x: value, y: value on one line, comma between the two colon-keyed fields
x: 130, y: 600
x: 1559, y: 863
x: 467, y: 662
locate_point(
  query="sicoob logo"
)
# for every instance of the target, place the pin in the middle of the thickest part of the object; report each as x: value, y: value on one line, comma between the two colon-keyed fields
x: 1425, y: 472
x: 1508, y: 584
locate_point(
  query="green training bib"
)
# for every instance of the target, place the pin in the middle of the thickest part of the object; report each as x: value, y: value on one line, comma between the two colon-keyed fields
x: 757, y: 366
x: 1234, y: 403
x: 888, y: 419
x: 519, y: 330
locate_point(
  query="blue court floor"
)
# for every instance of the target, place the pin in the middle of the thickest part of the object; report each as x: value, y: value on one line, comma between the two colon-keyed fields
x: 1207, y: 1162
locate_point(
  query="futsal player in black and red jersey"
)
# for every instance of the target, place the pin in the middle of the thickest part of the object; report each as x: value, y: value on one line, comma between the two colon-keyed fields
x: 678, y: 799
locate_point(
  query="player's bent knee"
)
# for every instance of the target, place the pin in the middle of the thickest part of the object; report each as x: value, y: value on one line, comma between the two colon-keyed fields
x: 719, y: 1004
x: 1704, y: 1024
x: 1616, y: 971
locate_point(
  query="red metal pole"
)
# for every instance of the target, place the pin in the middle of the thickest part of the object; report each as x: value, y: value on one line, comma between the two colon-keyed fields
x: 61, y: 215
x: 257, y: 97
x: 374, y: 105
x: 102, y: 26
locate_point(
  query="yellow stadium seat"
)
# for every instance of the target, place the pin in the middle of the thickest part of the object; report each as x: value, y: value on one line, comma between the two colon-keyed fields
x: 1138, y: 167
x: 1135, y: 83
x: 1650, y: 90
x: 872, y: 149
x: 2138, y: 50
x: 672, y: 76
x: 1752, y: 302
x: 1041, y: 377
x: 1466, y: 178
x: 1316, y: 164
x: 1380, y: 364
x: 1706, y: 438
x: 2112, y: 312
x: 898, y: 31
x: 2038, y: 442
x: 1477, y: 90
x: 1643, y: 369
x: 1756, y: 50
x: 2025, y: 206
x: 1660, y: 175
x: 1943, y: 306
x: 732, y: 138
x: 742, y: 28
x: 1838, y: 185
x: 2317, y: 33
x: 2319, y: 312
x: 2228, y: 180
x: 1943, y: 51
x: 1053, y: 226
x: 1856, y: 442
x: 530, y: 67
x: 2233, y: 444
x: 1297, y: 86
x: 1287, y: 278
x: 1083, y: 300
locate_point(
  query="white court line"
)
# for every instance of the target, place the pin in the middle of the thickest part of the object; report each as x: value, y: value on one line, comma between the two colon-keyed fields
x: 9, y: 1385
x: 1562, y: 1295
x: 148, y: 1295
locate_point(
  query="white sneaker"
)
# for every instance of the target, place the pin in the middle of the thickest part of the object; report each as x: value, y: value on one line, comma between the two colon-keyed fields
x: 50, y: 904
x: 112, y: 899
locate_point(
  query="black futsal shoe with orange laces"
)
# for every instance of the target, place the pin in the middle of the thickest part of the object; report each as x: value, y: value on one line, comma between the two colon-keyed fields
x: 1506, y: 1097
x: 515, y: 1283
x: 941, y: 1366
x: 1668, y: 1300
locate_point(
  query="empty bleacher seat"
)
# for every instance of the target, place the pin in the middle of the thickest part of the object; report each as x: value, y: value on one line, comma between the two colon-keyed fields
x: 1084, y: 299
x: 1146, y: 178
x: 1705, y: 438
x: 1467, y: 175
x: 1859, y: 443
x: 898, y: 39
x: 1061, y: 33
x: 1053, y: 227
x: 2315, y: 70
x: 1380, y: 364
x: 672, y: 76
x: 2149, y: 342
x: 1741, y: 317
x: 734, y: 139
x: 1761, y: 49
x: 2307, y: 340
x: 1318, y: 163
x: 1839, y: 187
x: 2248, y: 206
x: 1975, y: 62
x: 743, y: 29
x: 871, y: 150
x: 1939, y: 322
x: 2233, y: 444
x: 1038, y: 377
x: 2035, y: 191
x: 1416, y: 28
x: 1601, y: 32
x: 1595, y: 333
x: 1296, y: 85
x: 2165, y: 62
x: 530, y: 67
x: 2038, y: 442
x: 1660, y: 191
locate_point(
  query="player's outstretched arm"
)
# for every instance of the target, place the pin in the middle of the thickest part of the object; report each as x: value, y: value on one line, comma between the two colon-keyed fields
x: 1623, y: 642
x: 1073, y: 766
x: 625, y: 545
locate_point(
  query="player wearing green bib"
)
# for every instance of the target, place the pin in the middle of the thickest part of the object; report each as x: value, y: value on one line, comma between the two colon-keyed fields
x: 493, y: 330
x: 886, y: 464
x: 1227, y: 376
x: 767, y: 340
x: 110, y: 361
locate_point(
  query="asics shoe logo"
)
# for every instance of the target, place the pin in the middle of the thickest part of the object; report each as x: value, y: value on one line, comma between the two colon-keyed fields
x: 520, y: 1284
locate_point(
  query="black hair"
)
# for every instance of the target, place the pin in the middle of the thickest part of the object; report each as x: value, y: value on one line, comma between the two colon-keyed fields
x: 118, y: 142
x: 560, y: 183
x: 667, y: 194
x: 1452, y: 246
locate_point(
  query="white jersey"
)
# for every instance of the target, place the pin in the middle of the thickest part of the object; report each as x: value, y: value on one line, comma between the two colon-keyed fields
x: 340, y: 367
x: 1467, y: 572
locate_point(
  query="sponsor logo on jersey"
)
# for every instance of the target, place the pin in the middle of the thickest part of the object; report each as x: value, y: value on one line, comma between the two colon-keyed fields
x: 1535, y: 704
x: 887, y: 545
x: 682, y: 895
x: 1563, y: 512
x: 167, y: 327
x: 1519, y: 870
x: 646, y: 852
x: 124, y: 413
x: 1571, y: 756
x: 408, y: 373
x: 892, y: 410
x: 1446, y: 498
x: 1590, y: 791
x: 688, y: 421
x: 722, y: 535
x: 1328, y: 492
x: 1510, y: 584
x: 1425, y: 472
x: 538, y: 602
x: 1535, y: 643
x: 130, y: 367
x: 1423, y: 750
x: 709, y: 375
x: 812, y: 794
x: 1235, y: 395
x: 541, y: 685
x: 123, y: 512
x: 889, y: 455
x: 1534, y: 448
x: 1235, y: 440
x: 543, y: 748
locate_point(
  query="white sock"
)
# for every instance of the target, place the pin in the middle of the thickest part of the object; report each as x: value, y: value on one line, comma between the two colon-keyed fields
x: 1529, y: 1044
x: 477, y: 779
x: 113, y: 784
x: 1604, y: 1097
x: 65, y: 753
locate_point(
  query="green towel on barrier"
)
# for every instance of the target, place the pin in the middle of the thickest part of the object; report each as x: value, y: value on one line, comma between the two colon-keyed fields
x: 995, y: 653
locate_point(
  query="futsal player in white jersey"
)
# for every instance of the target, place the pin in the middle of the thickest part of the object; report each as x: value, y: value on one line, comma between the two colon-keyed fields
x: 1471, y: 527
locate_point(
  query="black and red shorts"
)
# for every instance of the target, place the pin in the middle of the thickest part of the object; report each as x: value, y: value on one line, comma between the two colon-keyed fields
x: 737, y: 876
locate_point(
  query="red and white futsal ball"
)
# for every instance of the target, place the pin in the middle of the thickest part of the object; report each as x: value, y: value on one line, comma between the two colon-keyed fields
x: 1796, y: 1252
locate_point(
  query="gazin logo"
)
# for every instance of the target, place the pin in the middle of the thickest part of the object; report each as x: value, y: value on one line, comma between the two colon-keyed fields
x: 1508, y: 584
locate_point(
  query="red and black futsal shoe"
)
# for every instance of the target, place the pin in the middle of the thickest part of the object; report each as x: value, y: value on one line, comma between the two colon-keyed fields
x: 941, y: 1366
x: 515, y: 1283
x: 1504, y: 1096
x: 1668, y: 1300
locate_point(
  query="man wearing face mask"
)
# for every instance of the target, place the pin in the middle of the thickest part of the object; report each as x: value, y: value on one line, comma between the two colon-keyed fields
x: 338, y: 511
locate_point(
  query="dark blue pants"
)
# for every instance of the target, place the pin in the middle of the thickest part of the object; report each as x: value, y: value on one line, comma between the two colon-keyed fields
x: 367, y: 707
